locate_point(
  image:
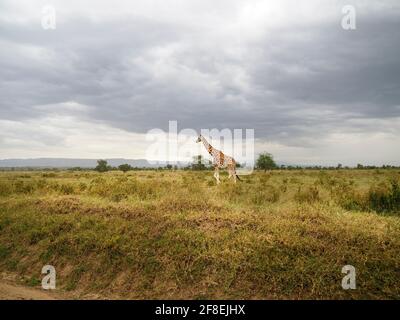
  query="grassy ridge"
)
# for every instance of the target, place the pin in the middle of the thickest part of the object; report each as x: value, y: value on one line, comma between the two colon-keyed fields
x: 285, y: 234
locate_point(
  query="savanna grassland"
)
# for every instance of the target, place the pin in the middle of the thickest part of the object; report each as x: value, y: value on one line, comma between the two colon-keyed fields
x: 176, y: 234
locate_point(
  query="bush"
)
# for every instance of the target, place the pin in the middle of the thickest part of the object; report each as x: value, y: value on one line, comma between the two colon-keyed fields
x: 122, y: 188
x: 309, y: 194
x: 49, y: 175
x: 231, y: 192
x: 326, y: 180
x: 82, y: 186
x: 66, y: 189
x: 125, y: 167
x: 384, y: 198
x: 6, y: 188
x: 379, y: 198
x: 268, y: 194
x: 117, y: 197
x: 25, y: 187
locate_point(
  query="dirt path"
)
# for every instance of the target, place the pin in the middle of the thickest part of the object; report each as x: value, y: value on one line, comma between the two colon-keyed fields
x: 10, y: 289
x: 15, y: 292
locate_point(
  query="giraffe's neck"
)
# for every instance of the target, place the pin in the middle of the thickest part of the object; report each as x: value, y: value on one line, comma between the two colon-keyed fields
x: 208, y: 146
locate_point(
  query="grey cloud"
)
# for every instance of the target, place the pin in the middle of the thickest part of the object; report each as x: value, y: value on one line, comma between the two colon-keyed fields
x: 298, y: 83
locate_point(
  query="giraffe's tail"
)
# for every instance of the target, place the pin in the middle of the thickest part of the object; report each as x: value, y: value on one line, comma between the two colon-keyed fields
x: 238, y: 177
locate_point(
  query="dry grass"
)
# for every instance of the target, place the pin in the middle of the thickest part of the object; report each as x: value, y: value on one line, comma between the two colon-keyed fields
x: 147, y: 234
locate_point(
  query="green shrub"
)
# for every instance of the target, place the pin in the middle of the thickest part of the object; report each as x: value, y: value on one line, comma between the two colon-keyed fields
x: 82, y: 186
x: 66, y: 189
x: 326, y: 180
x: 117, y: 197
x: 25, y: 187
x: 230, y: 191
x: 267, y: 194
x: 379, y: 198
x: 4, y: 251
x: 384, y: 198
x: 309, y: 194
x: 6, y: 188
x: 49, y: 175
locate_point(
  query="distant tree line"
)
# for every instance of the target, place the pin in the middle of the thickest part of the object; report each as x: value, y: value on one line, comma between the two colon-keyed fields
x: 265, y: 161
x: 103, y: 166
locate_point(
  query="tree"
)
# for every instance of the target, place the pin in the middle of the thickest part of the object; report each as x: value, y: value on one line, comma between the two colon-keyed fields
x: 198, y: 163
x: 125, y: 167
x: 102, y: 166
x: 265, y: 161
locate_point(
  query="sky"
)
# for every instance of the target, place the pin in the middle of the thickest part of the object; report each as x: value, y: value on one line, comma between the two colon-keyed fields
x: 111, y: 71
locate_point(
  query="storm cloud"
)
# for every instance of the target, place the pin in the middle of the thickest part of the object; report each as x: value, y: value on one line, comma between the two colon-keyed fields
x: 312, y: 91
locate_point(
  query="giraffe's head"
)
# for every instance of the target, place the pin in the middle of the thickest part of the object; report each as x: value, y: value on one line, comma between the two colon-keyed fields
x: 198, y: 139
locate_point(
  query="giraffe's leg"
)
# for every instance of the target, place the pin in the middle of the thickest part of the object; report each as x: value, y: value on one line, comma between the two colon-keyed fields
x: 216, y: 174
x: 234, y: 176
x: 231, y: 171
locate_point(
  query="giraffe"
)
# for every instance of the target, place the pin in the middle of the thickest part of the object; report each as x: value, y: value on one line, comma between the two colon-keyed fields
x: 220, y: 160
